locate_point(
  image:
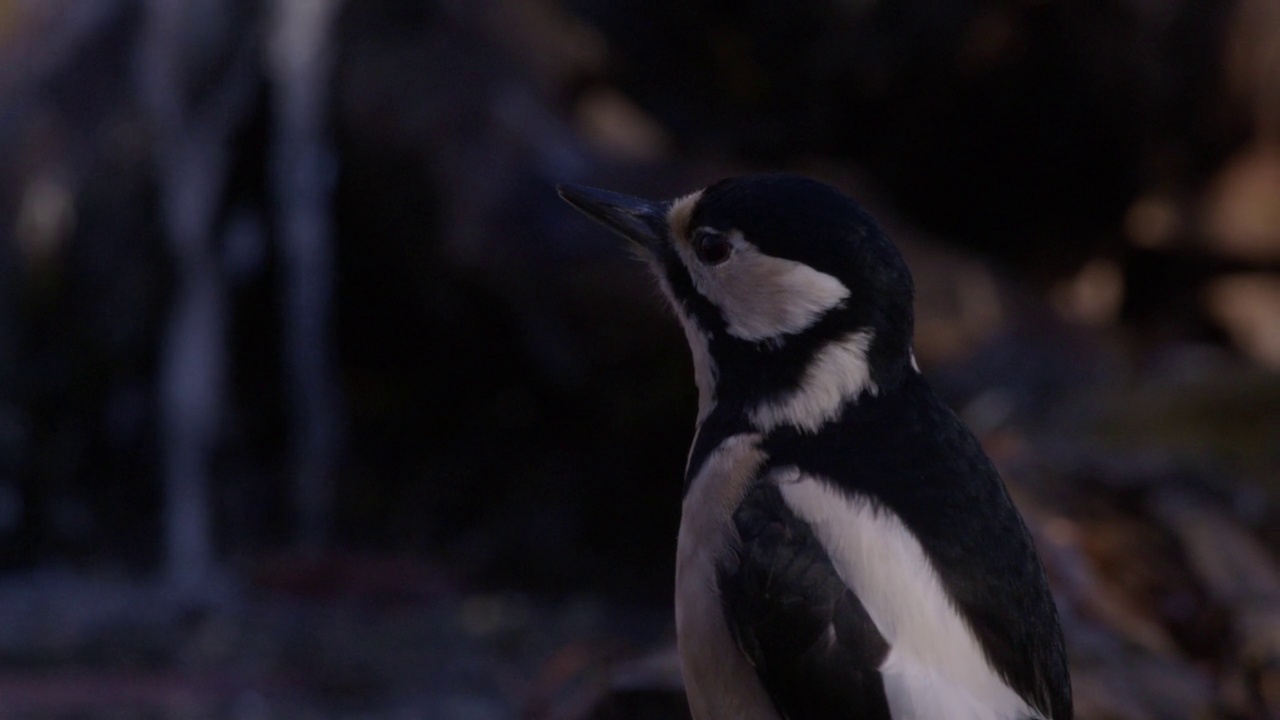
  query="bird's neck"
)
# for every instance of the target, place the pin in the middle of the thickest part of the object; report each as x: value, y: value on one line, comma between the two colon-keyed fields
x: 835, y: 373
x: 806, y: 380
x: 777, y: 393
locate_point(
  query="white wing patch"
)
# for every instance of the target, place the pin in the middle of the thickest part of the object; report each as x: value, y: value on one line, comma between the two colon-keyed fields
x: 760, y: 296
x: 935, y: 667
x: 838, y: 373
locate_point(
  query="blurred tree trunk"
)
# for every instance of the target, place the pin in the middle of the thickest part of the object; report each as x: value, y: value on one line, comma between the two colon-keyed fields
x: 303, y: 173
x: 192, y: 123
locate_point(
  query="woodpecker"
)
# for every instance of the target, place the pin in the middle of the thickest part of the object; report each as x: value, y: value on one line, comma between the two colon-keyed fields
x: 846, y: 549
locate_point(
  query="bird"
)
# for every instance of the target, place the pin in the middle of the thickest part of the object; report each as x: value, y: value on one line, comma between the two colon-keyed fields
x: 846, y: 549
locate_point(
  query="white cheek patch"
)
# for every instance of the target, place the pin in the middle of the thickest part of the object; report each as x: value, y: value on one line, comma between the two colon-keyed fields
x: 838, y: 373
x: 763, y: 297
x: 935, y: 667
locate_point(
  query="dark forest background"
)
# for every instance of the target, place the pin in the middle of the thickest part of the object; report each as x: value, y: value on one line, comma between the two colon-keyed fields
x: 316, y: 402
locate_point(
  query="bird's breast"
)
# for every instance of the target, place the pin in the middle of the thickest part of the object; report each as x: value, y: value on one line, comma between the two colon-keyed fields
x: 720, y: 683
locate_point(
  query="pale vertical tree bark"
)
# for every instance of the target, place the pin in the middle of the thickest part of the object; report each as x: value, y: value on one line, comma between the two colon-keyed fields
x: 190, y: 137
x: 303, y: 172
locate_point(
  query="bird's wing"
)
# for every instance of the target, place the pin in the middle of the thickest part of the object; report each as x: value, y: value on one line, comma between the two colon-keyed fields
x: 916, y: 522
x: 808, y: 636
x: 842, y: 615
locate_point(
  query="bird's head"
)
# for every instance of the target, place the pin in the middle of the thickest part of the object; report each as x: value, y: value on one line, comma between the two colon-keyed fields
x: 787, y: 290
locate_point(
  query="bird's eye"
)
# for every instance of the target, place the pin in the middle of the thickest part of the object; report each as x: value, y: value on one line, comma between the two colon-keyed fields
x: 712, y: 247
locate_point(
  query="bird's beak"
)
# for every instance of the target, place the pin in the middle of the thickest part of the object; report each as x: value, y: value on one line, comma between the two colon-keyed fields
x: 644, y: 222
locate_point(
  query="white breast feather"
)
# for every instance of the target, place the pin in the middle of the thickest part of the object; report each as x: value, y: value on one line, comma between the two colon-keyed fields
x: 719, y: 681
x: 935, y: 667
x: 704, y: 366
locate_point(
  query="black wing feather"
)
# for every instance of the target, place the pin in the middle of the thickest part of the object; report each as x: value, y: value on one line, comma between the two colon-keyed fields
x: 808, y: 636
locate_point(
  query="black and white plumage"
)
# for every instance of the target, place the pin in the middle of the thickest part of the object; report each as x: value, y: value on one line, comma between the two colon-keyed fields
x: 846, y: 548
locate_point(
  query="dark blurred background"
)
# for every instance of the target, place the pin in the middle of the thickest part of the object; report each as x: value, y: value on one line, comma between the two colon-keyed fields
x: 315, y: 402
